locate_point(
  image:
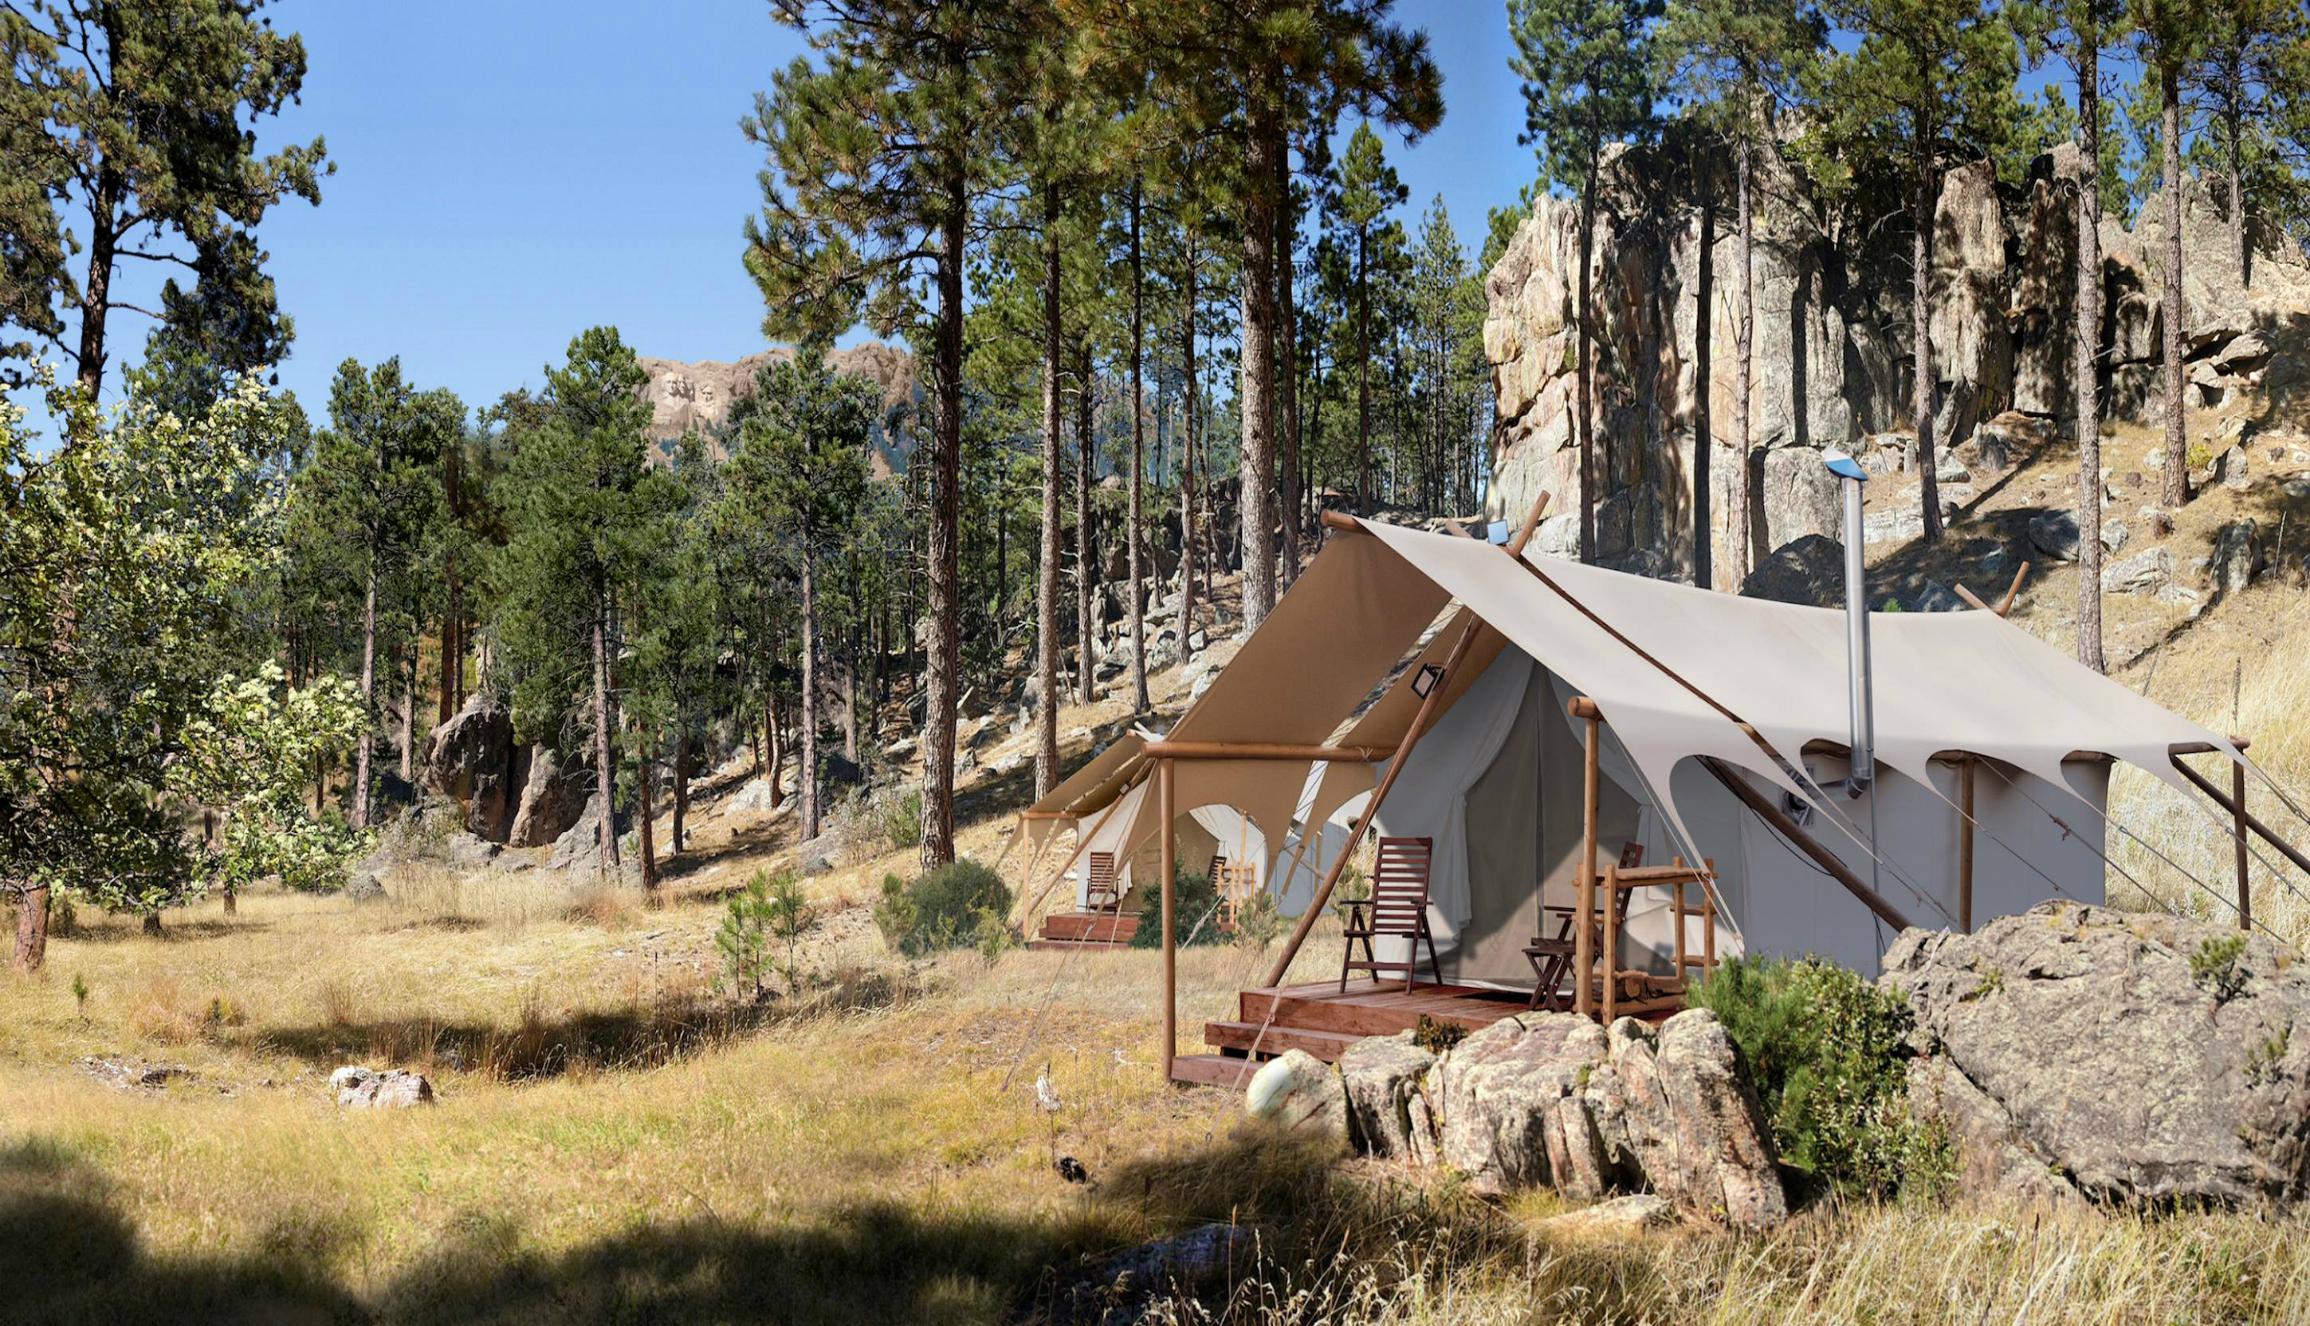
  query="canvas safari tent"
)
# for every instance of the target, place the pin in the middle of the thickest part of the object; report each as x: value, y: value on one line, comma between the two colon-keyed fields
x: 1720, y: 731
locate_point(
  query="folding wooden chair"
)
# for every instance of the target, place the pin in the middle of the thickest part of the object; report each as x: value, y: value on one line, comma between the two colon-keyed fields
x: 1397, y: 909
x: 1551, y: 956
x: 1100, y: 893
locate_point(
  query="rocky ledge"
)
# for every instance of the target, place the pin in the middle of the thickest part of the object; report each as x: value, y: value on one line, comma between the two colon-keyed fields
x: 2127, y: 1058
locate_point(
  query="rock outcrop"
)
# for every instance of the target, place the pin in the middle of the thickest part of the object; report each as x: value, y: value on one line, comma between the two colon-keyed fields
x: 553, y: 796
x: 1553, y: 1099
x: 472, y: 760
x: 686, y: 397
x: 1830, y: 341
x: 2136, y: 1059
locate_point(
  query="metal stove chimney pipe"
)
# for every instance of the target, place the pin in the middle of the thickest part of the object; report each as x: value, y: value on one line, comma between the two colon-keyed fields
x: 1863, y: 770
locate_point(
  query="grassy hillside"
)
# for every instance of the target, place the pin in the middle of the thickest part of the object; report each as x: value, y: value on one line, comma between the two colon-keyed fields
x: 617, y: 1139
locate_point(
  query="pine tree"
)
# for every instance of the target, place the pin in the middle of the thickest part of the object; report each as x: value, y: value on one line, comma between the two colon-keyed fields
x: 584, y: 517
x: 1933, y: 80
x: 1367, y: 191
x: 1589, y: 80
x: 375, y: 474
x: 1739, y: 62
x: 801, y: 464
x: 881, y: 160
x: 123, y: 135
x: 2248, y: 67
x: 2168, y: 37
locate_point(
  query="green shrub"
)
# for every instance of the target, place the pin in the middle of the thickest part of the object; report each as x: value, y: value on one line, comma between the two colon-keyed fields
x: 2215, y: 967
x: 1258, y: 921
x: 902, y: 818
x: 765, y: 911
x: 1829, y: 1056
x: 962, y: 903
x: 1193, y: 900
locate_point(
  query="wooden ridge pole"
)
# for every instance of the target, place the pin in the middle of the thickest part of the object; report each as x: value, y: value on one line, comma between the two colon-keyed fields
x: 1263, y: 750
x: 1412, y: 735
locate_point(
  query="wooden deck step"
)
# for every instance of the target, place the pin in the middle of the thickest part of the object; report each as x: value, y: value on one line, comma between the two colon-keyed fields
x: 1242, y: 1036
x: 1100, y: 926
x: 1375, y: 1010
x: 1040, y: 945
x: 1213, y: 1070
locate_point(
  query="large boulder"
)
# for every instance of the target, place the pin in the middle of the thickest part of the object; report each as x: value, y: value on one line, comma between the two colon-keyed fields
x: 2137, y: 1059
x: 367, y: 1089
x: 553, y: 796
x: 579, y: 849
x: 1553, y: 1099
x: 1808, y: 571
x: 472, y: 761
x: 1298, y: 1091
x: 1387, y: 1104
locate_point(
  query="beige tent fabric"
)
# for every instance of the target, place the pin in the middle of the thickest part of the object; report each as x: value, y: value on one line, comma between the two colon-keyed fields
x: 1968, y: 681
x: 1660, y: 721
x: 1348, y: 619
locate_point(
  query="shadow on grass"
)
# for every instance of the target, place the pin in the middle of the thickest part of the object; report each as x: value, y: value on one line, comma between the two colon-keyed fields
x: 121, y: 931
x: 1331, y: 1241
x: 541, y: 1046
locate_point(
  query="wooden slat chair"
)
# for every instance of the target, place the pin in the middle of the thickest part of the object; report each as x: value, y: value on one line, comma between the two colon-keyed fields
x: 1100, y: 892
x: 1397, y: 909
x: 1551, y: 955
x: 1235, y: 883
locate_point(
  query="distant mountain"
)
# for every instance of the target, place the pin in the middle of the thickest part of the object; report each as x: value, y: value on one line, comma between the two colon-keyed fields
x: 686, y: 396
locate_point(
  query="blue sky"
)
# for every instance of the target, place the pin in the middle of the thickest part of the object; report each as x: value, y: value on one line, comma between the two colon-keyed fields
x: 508, y: 175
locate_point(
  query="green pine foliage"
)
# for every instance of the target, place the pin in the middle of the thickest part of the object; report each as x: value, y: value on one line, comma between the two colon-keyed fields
x: 957, y: 905
x: 1194, y: 914
x: 1829, y: 1054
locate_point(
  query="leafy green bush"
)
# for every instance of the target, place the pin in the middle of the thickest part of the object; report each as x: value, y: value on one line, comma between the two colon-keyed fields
x: 1829, y: 1056
x: 1193, y: 899
x: 902, y: 818
x: 962, y: 903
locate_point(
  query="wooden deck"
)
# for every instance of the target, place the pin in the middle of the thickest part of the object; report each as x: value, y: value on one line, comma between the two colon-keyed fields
x: 1320, y: 1019
x: 1097, y: 930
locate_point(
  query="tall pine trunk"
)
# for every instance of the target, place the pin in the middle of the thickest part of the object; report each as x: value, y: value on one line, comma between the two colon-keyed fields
x: 1256, y: 466
x: 1583, y: 413
x: 605, y: 772
x: 1187, y: 467
x: 646, y: 814
x: 1703, y: 374
x: 1086, y: 550
x: 31, y: 928
x: 1140, y: 703
x: 1363, y: 376
x: 809, y: 773
x: 1287, y: 369
x: 681, y: 834
x: 96, y: 293
x: 1921, y: 203
x: 2238, y: 242
x: 2085, y: 361
x: 1743, y: 548
x: 1047, y: 573
x: 367, y: 744
x: 409, y: 718
x: 2176, y: 488
x: 943, y: 667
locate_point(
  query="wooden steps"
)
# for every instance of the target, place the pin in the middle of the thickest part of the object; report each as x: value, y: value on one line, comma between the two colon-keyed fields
x: 1242, y: 1036
x: 1213, y: 1070
x: 1072, y: 930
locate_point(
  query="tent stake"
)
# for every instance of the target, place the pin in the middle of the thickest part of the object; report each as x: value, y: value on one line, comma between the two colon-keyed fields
x: 1804, y: 842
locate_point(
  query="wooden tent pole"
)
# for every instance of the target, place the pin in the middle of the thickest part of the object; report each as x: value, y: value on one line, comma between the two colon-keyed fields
x: 1169, y: 868
x: 2238, y: 796
x: 1965, y: 844
x: 1263, y: 750
x: 2240, y: 814
x: 1584, y: 936
x: 1412, y: 734
x: 1363, y: 822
